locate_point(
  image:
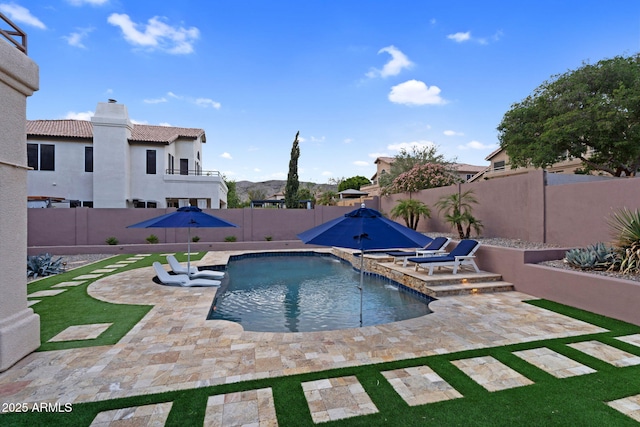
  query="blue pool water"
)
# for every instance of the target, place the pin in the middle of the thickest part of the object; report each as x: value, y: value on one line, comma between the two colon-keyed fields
x: 296, y: 293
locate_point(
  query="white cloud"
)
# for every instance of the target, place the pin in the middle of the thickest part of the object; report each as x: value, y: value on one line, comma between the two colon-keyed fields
x: 173, y: 95
x: 206, y: 102
x: 164, y: 124
x: 155, y: 100
x: 326, y: 173
x: 156, y: 34
x: 408, y: 146
x: 452, y: 133
x: 415, y: 92
x: 314, y: 139
x: 257, y: 170
x: 476, y: 145
x: 75, y: 39
x: 21, y: 15
x: 397, y: 63
x: 347, y: 140
x: 361, y: 163
x: 72, y: 115
x: 139, y: 122
x: 460, y: 37
x: 91, y: 2
x: 226, y: 155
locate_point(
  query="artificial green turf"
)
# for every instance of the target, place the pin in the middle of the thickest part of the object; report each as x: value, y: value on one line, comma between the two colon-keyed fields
x: 550, y: 401
x: 74, y: 306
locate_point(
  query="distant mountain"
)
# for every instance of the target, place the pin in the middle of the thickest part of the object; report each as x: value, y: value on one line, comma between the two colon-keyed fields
x: 270, y: 188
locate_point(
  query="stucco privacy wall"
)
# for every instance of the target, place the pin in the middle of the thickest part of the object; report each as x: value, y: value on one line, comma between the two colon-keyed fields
x: 522, y: 207
x: 85, y: 226
x: 19, y: 325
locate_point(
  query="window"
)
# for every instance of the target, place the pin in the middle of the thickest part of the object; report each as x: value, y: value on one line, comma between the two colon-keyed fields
x: 184, y: 166
x: 498, y: 166
x: 32, y: 156
x: 151, y: 162
x: 171, y: 164
x: 47, y: 157
x: 88, y: 159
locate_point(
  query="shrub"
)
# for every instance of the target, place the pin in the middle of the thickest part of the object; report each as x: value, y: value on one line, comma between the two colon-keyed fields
x: 230, y: 239
x: 626, y: 227
x: 593, y: 257
x: 43, y: 265
x: 111, y: 241
x: 195, y: 239
x: 268, y: 238
x: 152, y: 239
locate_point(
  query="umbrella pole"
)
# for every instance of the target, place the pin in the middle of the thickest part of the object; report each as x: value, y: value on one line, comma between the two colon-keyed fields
x: 361, y: 282
x: 189, y: 252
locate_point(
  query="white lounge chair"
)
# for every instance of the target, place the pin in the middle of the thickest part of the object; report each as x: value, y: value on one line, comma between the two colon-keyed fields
x: 461, y: 255
x: 193, y: 272
x: 180, y: 279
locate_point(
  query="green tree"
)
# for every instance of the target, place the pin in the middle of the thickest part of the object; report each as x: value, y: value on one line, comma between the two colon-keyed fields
x: 457, y: 209
x: 328, y: 198
x: 592, y: 114
x: 410, y: 210
x: 257, y: 193
x: 233, y: 201
x: 304, y: 193
x: 291, y: 189
x: 355, y: 182
x: 422, y: 177
x: 406, y: 160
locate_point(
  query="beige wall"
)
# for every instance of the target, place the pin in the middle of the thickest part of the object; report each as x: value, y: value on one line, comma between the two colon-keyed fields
x: 19, y: 325
x: 522, y: 207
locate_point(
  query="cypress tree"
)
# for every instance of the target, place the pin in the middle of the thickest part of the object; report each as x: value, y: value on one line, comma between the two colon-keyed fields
x: 291, y: 190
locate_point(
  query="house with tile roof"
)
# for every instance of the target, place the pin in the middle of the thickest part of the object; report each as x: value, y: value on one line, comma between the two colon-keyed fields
x: 383, y: 166
x: 110, y: 162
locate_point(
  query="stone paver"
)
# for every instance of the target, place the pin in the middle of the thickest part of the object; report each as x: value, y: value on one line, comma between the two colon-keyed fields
x: 337, y: 398
x: 88, y: 276
x: 46, y: 293
x: 553, y: 362
x: 629, y: 406
x: 81, y: 332
x: 420, y: 385
x: 70, y: 283
x: 136, y: 416
x: 631, y: 339
x: 607, y: 353
x: 491, y: 374
x: 246, y: 408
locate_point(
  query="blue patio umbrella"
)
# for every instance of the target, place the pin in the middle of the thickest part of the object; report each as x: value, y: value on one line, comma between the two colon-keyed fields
x: 363, y: 229
x: 185, y: 217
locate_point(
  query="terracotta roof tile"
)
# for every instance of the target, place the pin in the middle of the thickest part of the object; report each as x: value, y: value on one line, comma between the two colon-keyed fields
x: 84, y: 129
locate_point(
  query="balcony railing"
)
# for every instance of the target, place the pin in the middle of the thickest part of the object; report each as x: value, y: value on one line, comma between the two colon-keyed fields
x: 14, y: 35
x: 191, y: 172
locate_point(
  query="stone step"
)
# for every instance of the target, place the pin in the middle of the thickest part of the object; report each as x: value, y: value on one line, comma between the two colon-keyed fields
x: 467, y: 288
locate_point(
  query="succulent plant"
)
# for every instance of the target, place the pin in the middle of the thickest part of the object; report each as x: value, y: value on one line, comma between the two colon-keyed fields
x: 592, y: 257
x: 43, y: 265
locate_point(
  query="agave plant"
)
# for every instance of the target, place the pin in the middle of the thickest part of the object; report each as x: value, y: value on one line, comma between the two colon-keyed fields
x: 43, y: 265
x: 626, y: 227
x: 593, y: 257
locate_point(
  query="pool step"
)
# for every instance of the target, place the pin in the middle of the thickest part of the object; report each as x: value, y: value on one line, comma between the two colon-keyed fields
x: 443, y: 282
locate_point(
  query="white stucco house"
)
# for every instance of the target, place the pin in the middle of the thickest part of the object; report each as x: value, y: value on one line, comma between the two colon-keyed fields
x: 109, y: 162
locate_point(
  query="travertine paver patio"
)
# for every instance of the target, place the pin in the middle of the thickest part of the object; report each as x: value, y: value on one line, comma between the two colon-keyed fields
x: 247, y: 408
x: 605, y: 352
x: 629, y: 406
x: 491, y: 374
x: 556, y: 364
x: 420, y: 385
x: 81, y: 332
x: 147, y: 415
x: 174, y: 348
x: 337, y: 398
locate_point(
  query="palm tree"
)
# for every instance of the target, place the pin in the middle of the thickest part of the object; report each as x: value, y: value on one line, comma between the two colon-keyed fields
x: 457, y: 212
x: 410, y: 210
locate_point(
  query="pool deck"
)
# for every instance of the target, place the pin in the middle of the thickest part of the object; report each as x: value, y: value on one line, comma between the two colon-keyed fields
x: 174, y: 347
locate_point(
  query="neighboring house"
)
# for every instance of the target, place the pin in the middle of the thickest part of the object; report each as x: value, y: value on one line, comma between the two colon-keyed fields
x: 383, y: 164
x: 500, y: 167
x: 109, y: 162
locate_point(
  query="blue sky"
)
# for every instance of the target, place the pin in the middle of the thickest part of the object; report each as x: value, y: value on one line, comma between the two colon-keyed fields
x: 358, y: 79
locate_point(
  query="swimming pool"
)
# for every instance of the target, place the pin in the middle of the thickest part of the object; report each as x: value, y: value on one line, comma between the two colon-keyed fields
x: 308, y: 292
